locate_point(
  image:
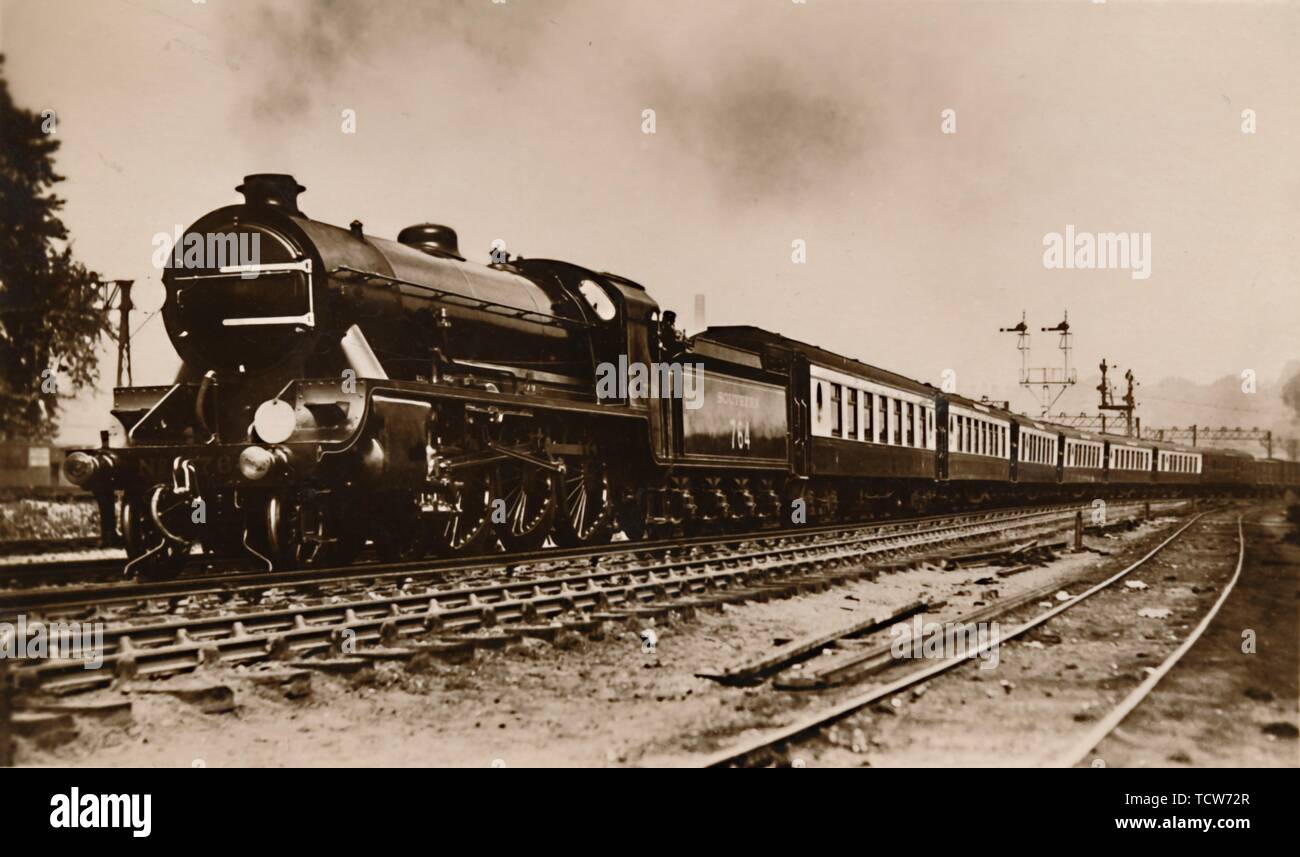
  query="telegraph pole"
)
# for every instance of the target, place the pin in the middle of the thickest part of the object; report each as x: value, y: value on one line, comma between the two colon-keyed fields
x: 121, y: 292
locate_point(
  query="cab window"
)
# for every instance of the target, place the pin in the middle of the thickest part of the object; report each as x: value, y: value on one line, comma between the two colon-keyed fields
x: 597, y: 300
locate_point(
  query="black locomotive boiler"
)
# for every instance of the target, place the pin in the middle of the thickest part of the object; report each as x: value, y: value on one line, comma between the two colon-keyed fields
x: 341, y: 389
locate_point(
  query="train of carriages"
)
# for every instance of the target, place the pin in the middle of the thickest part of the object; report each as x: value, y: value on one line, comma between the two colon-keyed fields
x: 343, y: 389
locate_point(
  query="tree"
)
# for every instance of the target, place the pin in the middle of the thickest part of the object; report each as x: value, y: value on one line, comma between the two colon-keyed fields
x: 51, y: 316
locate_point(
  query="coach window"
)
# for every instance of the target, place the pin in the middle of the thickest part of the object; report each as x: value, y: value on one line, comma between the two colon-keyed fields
x: 911, y: 424
x: 837, y: 416
x: 867, y: 404
x: 925, y: 436
x: 853, y: 414
x: 884, y: 420
x: 898, y: 422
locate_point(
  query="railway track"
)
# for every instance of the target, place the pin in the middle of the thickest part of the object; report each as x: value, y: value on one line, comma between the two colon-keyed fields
x: 350, y: 616
x: 776, y: 744
x: 231, y: 580
x: 1079, y: 751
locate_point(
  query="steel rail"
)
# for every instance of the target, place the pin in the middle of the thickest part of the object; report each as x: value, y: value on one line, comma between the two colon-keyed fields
x: 1085, y: 745
x: 181, y: 643
x: 813, y: 722
x: 227, y: 585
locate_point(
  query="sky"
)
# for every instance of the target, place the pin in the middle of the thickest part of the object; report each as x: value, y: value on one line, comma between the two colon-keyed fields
x: 774, y: 122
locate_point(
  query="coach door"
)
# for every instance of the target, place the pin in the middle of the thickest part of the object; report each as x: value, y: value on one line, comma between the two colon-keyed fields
x: 1015, y: 451
x: 941, y: 437
x: 799, y: 415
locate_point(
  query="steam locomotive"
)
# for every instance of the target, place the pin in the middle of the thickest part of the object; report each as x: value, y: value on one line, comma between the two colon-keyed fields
x: 342, y: 389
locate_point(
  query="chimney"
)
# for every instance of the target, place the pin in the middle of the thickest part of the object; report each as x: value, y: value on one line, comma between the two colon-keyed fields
x: 276, y: 190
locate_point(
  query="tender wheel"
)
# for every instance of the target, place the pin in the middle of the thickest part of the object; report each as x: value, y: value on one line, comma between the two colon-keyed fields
x: 523, y: 506
x: 586, y: 513
x: 797, y: 504
x: 466, y: 530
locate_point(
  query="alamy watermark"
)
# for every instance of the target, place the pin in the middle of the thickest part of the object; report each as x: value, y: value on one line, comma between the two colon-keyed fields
x: 941, y: 641
x: 1130, y: 251
x: 193, y: 250
x: 636, y: 380
x: 41, y: 640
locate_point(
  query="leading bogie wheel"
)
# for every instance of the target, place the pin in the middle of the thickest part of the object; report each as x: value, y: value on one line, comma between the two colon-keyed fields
x: 296, y: 530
